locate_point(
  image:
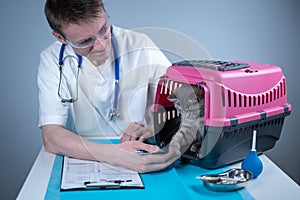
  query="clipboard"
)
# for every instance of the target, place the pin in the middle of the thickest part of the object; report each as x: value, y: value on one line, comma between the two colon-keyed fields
x: 78, y: 174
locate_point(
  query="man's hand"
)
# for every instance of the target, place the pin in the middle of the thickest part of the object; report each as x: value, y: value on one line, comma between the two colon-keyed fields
x: 132, y: 141
x: 136, y: 131
x: 133, y: 146
x: 126, y: 156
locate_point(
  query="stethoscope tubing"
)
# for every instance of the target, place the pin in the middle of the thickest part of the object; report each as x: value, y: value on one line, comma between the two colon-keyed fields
x: 117, y: 71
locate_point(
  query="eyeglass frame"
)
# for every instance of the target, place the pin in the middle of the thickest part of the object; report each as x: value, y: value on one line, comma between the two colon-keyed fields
x: 93, y: 38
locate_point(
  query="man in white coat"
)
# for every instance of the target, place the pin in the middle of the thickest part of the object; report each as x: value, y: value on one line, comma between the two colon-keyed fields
x: 80, y: 83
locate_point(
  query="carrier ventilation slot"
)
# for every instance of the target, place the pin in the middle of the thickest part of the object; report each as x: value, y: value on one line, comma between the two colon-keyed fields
x: 250, y: 128
x: 233, y: 99
x: 169, y: 86
x: 164, y: 116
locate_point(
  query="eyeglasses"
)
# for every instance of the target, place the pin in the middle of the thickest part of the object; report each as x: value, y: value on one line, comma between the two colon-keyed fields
x: 103, y: 33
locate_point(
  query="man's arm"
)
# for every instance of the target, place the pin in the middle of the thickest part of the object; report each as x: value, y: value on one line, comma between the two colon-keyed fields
x: 59, y: 140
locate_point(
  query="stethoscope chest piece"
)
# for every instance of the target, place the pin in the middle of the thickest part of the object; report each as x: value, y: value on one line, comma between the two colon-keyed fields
x: 114, y: 114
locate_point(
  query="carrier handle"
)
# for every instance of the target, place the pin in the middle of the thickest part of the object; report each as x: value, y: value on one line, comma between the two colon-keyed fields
x: 212, y: 64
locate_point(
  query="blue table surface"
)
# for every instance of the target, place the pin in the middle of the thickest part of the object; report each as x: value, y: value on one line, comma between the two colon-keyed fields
x: 176, y: 182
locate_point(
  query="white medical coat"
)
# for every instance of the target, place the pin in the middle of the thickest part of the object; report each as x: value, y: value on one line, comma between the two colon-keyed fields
x: 141, y: 65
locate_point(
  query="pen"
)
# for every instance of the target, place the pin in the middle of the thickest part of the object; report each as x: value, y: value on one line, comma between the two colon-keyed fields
x: 142, y: 152
x: 117, y: 181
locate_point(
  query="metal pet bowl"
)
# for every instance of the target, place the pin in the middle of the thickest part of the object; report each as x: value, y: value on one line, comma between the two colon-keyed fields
x: 231, y: 180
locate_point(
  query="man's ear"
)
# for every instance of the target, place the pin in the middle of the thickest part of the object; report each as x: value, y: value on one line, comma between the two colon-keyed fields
x: 59, y: 37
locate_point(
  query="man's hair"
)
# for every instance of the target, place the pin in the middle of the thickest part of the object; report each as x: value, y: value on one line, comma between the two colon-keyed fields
x: 61, y: 13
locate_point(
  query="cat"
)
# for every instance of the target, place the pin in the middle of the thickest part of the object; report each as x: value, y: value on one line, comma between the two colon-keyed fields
x: 189, y: 101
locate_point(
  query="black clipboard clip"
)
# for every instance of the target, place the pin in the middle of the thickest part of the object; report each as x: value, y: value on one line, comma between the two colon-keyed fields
x: 104, y: 184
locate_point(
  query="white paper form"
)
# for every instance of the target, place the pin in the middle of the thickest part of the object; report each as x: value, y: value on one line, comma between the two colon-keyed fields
x: 85, y: 174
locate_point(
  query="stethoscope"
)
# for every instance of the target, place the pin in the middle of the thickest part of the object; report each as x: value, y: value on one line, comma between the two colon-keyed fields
x: 114, y: 111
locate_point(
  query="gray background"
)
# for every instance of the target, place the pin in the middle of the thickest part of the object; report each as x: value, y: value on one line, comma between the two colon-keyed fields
x: 261, y: 31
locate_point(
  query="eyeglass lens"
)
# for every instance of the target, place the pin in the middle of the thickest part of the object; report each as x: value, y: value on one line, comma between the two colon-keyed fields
x: 104, y: 31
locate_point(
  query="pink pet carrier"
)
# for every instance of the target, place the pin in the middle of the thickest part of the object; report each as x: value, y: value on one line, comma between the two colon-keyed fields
x: 238, y: 98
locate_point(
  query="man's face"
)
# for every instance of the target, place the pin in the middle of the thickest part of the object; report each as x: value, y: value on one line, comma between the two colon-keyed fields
x: 96, y: 30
